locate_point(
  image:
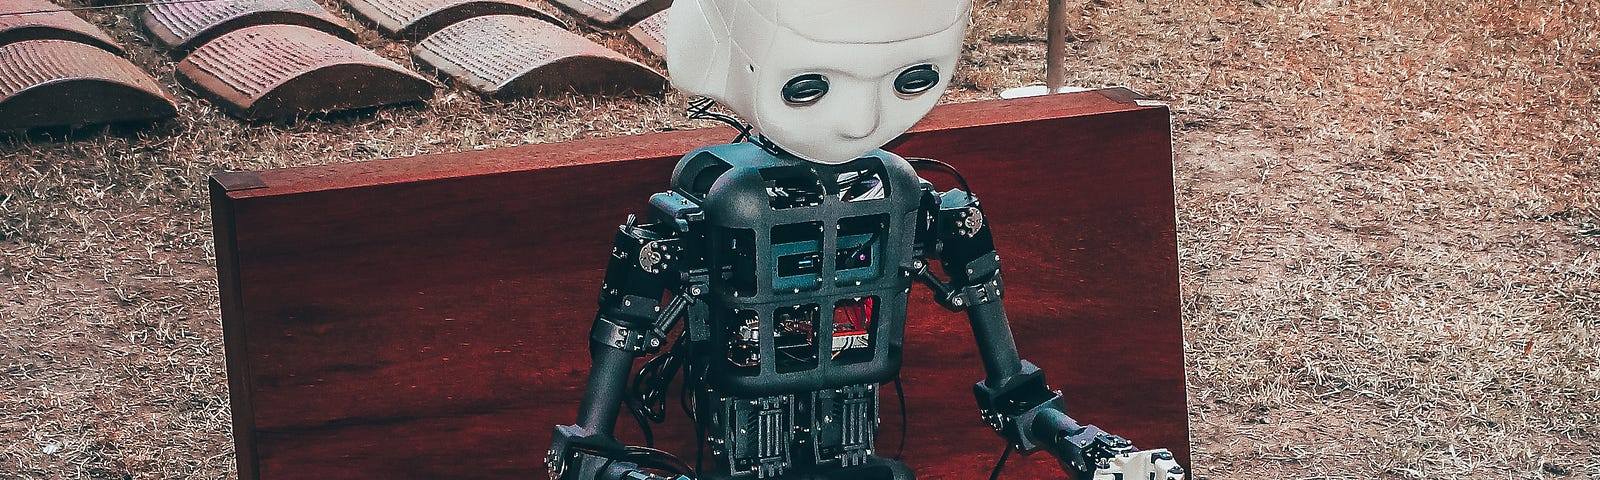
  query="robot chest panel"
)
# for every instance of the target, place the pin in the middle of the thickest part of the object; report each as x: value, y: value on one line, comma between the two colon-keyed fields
x: 792, y: 230
x: 805, y: 262
x: 811, y: 298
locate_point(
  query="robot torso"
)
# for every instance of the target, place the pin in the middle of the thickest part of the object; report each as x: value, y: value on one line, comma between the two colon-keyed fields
x: 807, y: 289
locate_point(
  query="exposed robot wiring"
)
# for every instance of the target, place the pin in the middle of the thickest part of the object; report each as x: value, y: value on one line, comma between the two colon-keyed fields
x: 700, y: 109
x: 900, y: 393
x: 693, y: 380
x: 643, y: 456
x: 647, y: 394
x: 867, y: 245
x: 945, y: 167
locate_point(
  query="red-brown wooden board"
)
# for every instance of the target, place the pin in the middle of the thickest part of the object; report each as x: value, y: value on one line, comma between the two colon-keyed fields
x: 428, y: 317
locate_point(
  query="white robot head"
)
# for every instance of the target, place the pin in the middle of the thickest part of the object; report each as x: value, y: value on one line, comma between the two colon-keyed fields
x: 826, y: 80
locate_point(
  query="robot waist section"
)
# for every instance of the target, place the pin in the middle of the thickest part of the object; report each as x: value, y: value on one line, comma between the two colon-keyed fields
x: 769, y: 436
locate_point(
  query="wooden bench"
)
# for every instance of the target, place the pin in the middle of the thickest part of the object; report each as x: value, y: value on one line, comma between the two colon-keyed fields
x: 428, y: 317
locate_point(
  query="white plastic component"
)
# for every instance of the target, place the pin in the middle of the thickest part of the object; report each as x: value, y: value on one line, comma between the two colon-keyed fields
x: 1142, y: 465
x: 742, y: 53
x: 846, y: 342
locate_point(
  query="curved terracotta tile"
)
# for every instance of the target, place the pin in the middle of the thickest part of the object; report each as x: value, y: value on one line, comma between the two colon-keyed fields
x: 615, y: 13
x: 421, y: 18
x: 61, y: 82
x: 184, y: 26
x: 652, y: 33
x: 507, y: 55
x: 276, y: 71
x: 18, y: 26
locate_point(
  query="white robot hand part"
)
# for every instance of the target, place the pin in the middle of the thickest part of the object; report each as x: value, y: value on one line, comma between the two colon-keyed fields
x: 1142, y: 465
x: 825, y: 80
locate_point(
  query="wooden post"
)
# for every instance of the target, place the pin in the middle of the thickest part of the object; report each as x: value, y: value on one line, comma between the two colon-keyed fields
x: 1055, y: 58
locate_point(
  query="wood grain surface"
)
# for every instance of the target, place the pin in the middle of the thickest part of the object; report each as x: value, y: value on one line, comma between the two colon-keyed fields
x: 428, y: 317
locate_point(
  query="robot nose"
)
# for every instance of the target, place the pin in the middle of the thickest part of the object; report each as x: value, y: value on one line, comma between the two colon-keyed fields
x: 861, y: 118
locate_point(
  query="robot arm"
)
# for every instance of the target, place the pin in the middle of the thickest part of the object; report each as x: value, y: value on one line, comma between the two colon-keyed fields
x: 1013, y: 397
x: 646, y: 261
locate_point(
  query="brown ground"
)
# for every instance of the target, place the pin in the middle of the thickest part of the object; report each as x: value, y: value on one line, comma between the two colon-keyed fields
x: 1389, y: 221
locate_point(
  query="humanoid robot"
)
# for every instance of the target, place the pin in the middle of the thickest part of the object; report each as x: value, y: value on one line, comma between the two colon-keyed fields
x: 788, y: 258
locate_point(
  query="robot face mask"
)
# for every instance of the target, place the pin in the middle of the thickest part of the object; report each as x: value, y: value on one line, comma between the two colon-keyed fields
x: 826, y: 80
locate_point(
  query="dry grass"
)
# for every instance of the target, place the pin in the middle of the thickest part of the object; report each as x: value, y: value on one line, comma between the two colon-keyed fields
x: 1390, y: 215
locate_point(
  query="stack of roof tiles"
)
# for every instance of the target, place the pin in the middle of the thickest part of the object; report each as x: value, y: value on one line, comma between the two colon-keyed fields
x: 271, y: 59
x: 58, y: 70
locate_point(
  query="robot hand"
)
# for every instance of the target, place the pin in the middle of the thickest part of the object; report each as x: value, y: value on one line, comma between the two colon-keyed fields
x: 1092, y: 454
x: 576, y: 454
x: 1142, y: 465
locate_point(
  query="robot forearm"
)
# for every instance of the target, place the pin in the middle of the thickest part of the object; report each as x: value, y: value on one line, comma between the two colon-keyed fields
x: 630, y: 322
x: 1017, y: 402
x: 1013, y: 397
x: 996, y: 346
x: 608, y: 379
x: 1013, y: 391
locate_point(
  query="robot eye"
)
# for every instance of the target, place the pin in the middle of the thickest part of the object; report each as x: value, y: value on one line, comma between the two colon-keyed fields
x: 915, y: 80
x: 805, y: 89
